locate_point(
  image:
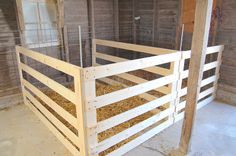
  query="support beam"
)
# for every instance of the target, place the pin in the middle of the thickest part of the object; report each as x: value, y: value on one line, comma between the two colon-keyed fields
x: 199, y: 46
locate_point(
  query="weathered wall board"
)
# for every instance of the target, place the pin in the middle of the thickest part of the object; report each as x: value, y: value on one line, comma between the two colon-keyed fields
x: 227, y: 35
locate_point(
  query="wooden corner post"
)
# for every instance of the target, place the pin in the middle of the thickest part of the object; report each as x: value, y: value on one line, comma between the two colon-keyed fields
x: 90, y: 114
x: 199, y: 47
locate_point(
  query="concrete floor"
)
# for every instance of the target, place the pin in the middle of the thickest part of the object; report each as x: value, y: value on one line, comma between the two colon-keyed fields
x: 22, y: 134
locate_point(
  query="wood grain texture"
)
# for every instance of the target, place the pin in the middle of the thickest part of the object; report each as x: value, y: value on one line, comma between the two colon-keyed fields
x: 226, y: 34
x: 199, y: 47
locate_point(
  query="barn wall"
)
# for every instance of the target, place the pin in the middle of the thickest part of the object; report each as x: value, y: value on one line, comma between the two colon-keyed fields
x: 76, y: 13
x: 167, y: 23
x: 227, y: 35
x: 157, y: 24
x: 126, y: 21
x: 9, y: 36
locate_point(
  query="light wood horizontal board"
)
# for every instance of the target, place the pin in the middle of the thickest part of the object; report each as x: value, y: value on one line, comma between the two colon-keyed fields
x: 59, y: 136
x: 134, y: 143
x: 201, y: 95
x: 205, y: 102
x: 123, y: 67
x: 199, y: 105
x: 132, y: 131
x: 180, y: 106
x: 60, y: 89
x: 130, y: 114
x: 206, y: 92
x: 211, y: 65
x: 57, y: 123
x: 58, y: 109
x: 208, y: 80
x: 145, y: 96
x: 122, y: 94
x: 50, y: 61
x: 210, y: 50
x: 138, y: 80
x: 215, y: 49
x: 206, y: 67
x: 204, y: 82
x: 134, y: 47
x: 155, y: 70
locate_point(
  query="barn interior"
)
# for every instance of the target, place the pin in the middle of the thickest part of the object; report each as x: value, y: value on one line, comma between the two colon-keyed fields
x: 68, y: 30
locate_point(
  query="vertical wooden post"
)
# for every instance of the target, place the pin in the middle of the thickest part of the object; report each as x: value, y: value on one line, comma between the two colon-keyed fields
x: 88, y: 93
x: 61, y: 13
x: 179, y: 83
x: 199, y: 46
x: 94, y: 49
x: 80, y: 109
x: 66, y: 44
x: 174, y: 67
x: 21, y: 75
x: 217, y: 70
x: 66, y: 48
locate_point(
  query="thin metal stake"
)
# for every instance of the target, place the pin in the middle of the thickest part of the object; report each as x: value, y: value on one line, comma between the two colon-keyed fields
x: 80, y: 47
x: 181, y: 39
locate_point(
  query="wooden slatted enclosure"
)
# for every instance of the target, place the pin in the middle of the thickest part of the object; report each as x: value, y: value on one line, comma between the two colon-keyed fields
x: 158, y: 79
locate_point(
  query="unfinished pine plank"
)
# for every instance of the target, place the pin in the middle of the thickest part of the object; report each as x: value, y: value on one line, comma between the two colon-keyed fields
x: 206, y: 92
x: 219, y: 59
x: 198, y: 55
x: 131, y: 131
x: 58, y: 109
x: 130, y: 114
x: 139, y: 80
x: 119, y: 95
x: 211, y: 65
x: 57, y: 123
x: 139, y: 140
x: 60, y: 89
x: 80, y: 109
x: 208, y: 80
x: 59, y: 136
x: 50, y: 61
x: 199, y: 105
x: 118, y: 68
x: 210, y: 50
x: 206, y: 67
x: 134, y: 47
x: 201, y: 95
x: 174, y: 67
x: 145, y: 96
x: 155, y: 70
x: 66, y: 43
x: 90, y: 113
x: 136, y: 79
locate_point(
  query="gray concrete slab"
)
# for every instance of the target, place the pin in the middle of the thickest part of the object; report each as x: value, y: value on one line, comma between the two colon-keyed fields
x: 22, y: 134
